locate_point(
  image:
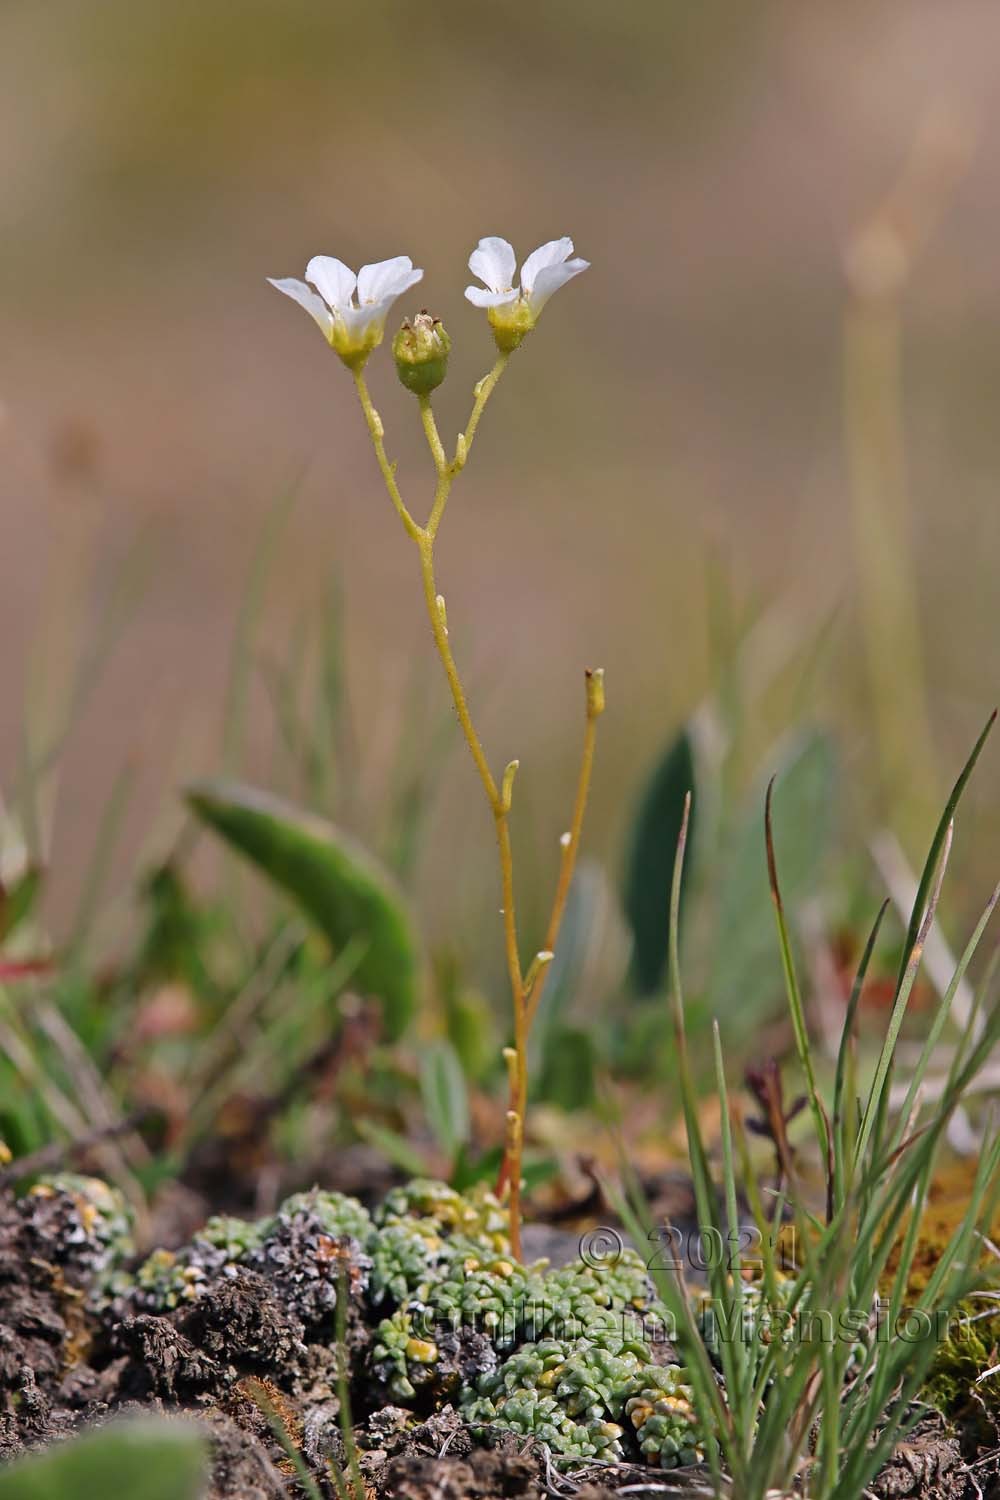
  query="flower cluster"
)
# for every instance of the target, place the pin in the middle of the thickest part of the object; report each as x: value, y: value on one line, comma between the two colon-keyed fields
x: 351, y: 310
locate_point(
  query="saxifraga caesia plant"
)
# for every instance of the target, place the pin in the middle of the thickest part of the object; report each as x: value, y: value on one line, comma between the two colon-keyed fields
x: 351, y: 311
x: 818, y: 1410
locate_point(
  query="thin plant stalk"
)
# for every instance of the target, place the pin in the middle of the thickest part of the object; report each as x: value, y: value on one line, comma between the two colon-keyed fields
x: 795, y: 1005
x: 525, y: 987
x: 258, y: 1392
x: 877, y: 1099
x: 841, y: 1122
x: 941, y: 1017
x: 357, y: 1484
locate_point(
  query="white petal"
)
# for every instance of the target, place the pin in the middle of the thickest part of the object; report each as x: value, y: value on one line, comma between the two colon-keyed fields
x: 402, y: 284
x: 494, y: 262
x: 480, y: 298
x: 355, y: 319
x: 550, y: 254
x: 551, y: 278
x: 386, y: 278
x: 379, y: 310
x: 306, y: 298
x: 332, y: 278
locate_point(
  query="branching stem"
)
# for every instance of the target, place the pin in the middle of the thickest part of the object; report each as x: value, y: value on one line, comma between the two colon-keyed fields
x: 525, y: 996
x: 377, y: 432
x: 569, y: 849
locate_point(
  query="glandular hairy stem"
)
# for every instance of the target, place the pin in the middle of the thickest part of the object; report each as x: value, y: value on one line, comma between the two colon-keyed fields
x: 526, y: 992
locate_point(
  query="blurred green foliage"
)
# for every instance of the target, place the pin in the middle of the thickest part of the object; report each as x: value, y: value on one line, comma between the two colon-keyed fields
x: 178, y: 152
x: 146, y: 1460
x: 334, y: 882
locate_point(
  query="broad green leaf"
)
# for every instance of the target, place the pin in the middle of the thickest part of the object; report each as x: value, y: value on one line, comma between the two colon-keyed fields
x: 144, y: 1459
x: 745, y: 982
x: 176, y: 934
x: 650, y: 863
x: 469, y: 1022
x: 568, y: 1076
x: 334, y: 881
x: 472, y: 1031
x: 468, y: 1169
x: 446, y: 1102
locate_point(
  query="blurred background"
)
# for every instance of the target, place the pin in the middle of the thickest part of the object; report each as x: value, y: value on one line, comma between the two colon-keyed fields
x: 761, y: 428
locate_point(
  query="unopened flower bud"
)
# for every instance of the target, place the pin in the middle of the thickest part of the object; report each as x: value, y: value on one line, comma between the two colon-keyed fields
x: 595, y: 692
x: 421, y: 350
x: 507, y: 785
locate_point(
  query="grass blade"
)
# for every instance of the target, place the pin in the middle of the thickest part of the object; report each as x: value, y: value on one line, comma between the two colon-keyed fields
x: 840, y: 1122
x: 795, y: 995
x: 937, y: 844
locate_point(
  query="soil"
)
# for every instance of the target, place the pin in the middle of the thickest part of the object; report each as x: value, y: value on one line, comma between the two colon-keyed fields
x: 259, y: 1344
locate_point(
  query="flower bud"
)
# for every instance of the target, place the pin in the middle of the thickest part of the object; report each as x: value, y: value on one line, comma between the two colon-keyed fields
x: 507, y: 786
x: 421, y: 350
x: 595, y: 692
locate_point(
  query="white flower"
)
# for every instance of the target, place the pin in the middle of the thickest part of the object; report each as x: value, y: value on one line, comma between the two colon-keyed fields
x: 513, y: 311
x: 352, y: 326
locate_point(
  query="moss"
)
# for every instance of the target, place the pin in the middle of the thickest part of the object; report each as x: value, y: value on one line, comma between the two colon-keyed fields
x: 946, y: 1207
x: 972, y: 1345
x: 955, y: 1385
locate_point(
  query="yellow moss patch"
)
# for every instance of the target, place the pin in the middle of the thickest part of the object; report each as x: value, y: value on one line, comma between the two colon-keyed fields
x: 947, y: 1204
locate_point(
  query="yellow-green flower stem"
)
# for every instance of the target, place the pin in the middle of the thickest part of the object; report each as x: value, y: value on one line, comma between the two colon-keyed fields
x: 482, y: 393
x: 377, y: 432
x: 570, y: 848
x: 525, y: 996
x: 510, y: 1171
x: 433, y: 437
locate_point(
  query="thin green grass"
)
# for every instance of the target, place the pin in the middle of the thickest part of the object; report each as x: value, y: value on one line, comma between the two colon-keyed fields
x: 821, y: 1410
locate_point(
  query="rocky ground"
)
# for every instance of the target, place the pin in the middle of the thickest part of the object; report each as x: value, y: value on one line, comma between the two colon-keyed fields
x: 467, y: 1374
